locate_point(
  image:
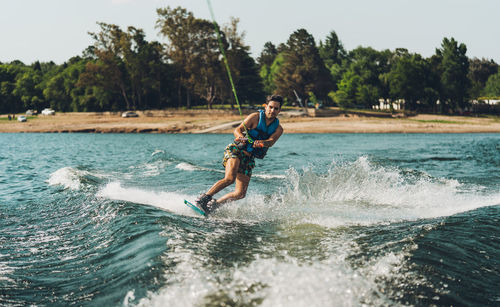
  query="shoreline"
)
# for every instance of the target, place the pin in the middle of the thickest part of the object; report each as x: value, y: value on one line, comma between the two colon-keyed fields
x: 218, y: 121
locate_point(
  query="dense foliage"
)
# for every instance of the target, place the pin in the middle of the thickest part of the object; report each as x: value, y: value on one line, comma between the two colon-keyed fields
x: 122, y: 70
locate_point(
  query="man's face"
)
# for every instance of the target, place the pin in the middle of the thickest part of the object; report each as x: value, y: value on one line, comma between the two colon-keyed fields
x: 273, y: 108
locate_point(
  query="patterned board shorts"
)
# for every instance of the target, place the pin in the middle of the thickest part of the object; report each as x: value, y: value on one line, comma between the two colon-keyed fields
x: 247, y: 163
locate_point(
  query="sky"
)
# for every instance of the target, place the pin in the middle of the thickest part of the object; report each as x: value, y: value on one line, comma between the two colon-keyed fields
x: 56, y: 30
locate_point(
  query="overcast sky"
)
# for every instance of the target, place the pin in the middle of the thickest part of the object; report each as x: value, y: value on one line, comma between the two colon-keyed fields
x: 56, y: 30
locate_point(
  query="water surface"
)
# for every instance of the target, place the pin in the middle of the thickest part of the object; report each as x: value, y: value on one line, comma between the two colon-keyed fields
x: 329, y: 220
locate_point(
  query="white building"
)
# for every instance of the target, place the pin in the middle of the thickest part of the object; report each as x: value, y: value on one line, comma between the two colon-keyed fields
x: 385, y: 104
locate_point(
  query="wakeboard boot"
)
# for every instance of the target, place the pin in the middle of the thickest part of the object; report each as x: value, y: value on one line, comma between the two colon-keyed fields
x: 211, y: 206
x: 202, y: 200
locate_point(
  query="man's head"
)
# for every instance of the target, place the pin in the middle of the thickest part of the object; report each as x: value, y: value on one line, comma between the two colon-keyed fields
x: 273, y: 106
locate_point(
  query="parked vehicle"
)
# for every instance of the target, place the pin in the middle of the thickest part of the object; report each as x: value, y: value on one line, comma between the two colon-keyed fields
x: 316, y: 106
x: 48, y: 111
x: 21, y: 118
x: 129, y: 114
x: 30, y: 112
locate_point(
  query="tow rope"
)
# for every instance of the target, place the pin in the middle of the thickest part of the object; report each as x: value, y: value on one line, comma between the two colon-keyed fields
x: 221, y: 48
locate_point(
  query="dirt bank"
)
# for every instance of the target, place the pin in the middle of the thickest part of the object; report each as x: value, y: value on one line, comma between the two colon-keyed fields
x: 203, y: 121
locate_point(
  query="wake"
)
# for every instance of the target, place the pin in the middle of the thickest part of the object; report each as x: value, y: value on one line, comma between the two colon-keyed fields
x: 169, y: 201
x: 349, y: 193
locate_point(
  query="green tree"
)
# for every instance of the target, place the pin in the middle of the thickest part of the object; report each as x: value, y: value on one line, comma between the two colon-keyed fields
x: 268, y: 73
x: 479, y: 72
x: 266, y: 60
x: 56, y: 94
x: 268, y: 54
x: 348, y: 88
x: 332, y: 51
x: 144, y: 65
x: 194, y: 51
x: 244, y: 69
x: 492, y: 88
x: 61, y: 90
x: 454, y: 70
x: 361, y: 84
x: 303, y: 69
x: 125, y: 65
x: 109, y: 71
x: 9, y: 103
x: 175, y: 24
x: 205, y: 68
x: 407, y: 79
x: 28, y: 90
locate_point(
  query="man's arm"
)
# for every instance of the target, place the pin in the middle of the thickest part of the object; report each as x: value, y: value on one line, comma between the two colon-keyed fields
x: 250, y: 123
x: 271, y: 140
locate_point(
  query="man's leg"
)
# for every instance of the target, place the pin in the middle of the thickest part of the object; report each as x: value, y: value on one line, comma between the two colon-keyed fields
x: 230, y: 176
x: 239, y: 192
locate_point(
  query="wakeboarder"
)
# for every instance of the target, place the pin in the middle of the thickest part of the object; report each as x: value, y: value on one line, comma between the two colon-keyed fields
x: 252, y: 139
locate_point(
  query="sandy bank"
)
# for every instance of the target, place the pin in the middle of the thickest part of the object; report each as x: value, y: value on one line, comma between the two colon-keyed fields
x: 223, y: 122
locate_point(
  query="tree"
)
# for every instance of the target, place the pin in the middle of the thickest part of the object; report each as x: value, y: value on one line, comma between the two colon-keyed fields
x: 144, y: 64
x: 194, y: 50
x: 28, y: 90
x: 303, y: 69
x: 9, y: 103
x: 205, y: 69
x: 61, y: 90
x: 268, y: 54
x: 268, y: 73
x: 348, y: 88
x: 492, y: 88
x: 266, y: 60
x: 361, y: 85
x: 454, y: 70
x: 332, y: 51
x: 108, y: 71
x: 479, y: 72
x: 124, y: 64
x: 407, y: 79
x: 245, y: 71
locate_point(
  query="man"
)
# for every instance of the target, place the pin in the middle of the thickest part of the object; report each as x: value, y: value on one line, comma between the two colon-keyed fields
x: 239, y: 157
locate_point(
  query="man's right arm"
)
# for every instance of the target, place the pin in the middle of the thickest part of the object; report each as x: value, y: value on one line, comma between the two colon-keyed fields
x: 250, y: 123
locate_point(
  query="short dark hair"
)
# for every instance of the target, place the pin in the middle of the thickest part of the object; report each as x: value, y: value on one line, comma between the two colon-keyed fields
x: 276, y: 98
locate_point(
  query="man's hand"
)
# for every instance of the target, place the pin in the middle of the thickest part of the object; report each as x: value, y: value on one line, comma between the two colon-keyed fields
x: 241, y: 140
x: 258, y: 144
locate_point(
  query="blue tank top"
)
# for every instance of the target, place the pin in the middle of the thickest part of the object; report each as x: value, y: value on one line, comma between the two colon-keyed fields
x: 261, y: 132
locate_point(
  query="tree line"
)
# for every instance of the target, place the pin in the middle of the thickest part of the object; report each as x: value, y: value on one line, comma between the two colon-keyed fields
x: 121, y: 70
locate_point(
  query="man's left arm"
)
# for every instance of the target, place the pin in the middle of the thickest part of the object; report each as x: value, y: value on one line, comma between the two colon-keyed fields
x: 271, y: 140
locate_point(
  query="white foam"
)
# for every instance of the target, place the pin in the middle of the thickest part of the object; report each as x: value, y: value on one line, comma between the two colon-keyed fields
x: 190, y: 167
x: 128, y: 298
x: 187, y: 167
x: 153, y: 169
x: 362, y: 193
x: 269, y: 176
x: 67, y: 177
x: 359, y: 193
x: 278, y: 281
x: 157, y: 151
x: 169, y: 201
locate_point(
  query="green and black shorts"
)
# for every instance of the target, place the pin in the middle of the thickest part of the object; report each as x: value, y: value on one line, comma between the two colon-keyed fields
x: 247, y: 163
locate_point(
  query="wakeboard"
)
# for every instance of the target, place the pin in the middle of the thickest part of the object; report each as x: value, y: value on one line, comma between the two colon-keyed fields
x: 195, y: 208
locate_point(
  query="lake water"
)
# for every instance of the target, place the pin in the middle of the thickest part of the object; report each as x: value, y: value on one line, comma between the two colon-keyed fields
x: 329, y: 220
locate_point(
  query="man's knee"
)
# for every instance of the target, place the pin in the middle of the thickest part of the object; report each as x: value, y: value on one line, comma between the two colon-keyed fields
x: 228, y: 180
x: 240, y: 194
